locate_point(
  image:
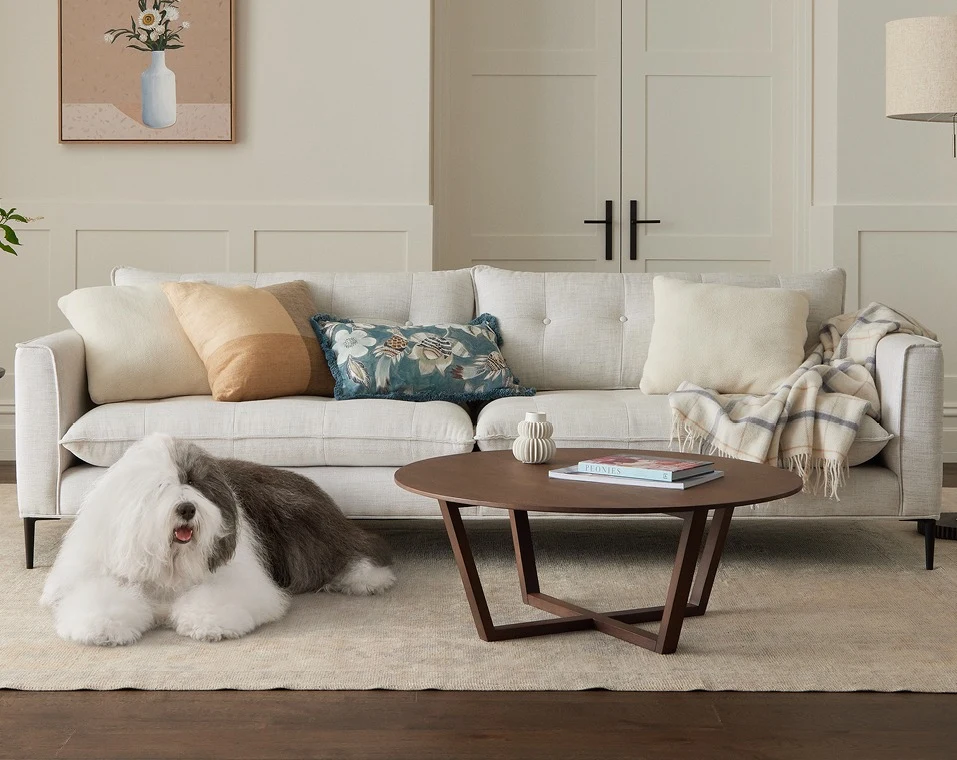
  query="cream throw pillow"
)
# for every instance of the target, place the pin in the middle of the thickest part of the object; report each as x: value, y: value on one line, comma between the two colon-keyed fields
x: 135, y: 346
x: 724, y: 337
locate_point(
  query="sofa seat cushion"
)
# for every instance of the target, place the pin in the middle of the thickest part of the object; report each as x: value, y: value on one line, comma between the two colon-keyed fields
x: 299, y: 431
x: 625, y: 419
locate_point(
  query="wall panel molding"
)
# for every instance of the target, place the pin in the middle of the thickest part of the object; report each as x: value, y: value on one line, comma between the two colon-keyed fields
x: 903, y: 256
x: 803, y: 131
x: 77, y: 244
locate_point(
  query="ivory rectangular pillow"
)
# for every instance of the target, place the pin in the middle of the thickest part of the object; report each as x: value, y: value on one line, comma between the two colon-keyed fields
x: 728, y: 338
x: 135, y: 347
x: 256, y: 343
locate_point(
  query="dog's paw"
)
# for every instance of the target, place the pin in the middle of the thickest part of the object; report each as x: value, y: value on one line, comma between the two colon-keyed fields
x: 204, y: 624
x: 208, y: 632
x: 101, y: 633
x: 363, y: 578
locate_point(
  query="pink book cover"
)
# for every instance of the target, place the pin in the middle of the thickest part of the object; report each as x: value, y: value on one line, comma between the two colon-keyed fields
x: 645, y: 463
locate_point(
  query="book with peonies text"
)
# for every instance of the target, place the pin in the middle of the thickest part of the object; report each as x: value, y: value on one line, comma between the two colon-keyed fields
x: 648, y: 468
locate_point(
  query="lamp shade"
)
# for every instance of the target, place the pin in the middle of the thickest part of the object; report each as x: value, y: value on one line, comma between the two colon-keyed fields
x: 922, y: 68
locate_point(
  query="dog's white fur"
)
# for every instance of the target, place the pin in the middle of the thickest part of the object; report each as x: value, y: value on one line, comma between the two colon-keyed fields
x: 119, y: 574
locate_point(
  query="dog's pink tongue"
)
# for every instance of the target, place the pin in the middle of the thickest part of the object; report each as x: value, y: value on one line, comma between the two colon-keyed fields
x: 183, y: 533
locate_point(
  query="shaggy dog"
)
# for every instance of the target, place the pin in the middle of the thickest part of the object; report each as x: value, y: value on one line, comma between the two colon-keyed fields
x: 211, y: 547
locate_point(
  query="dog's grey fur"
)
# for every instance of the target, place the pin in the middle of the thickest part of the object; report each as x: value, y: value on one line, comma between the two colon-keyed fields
x: 304, y: 537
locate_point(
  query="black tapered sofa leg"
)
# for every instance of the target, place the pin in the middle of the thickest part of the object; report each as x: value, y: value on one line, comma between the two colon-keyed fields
x: 929, y: 528
x: 29, y: 536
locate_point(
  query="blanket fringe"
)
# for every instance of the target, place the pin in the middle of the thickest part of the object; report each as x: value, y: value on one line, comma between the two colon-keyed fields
x: 818, y: 475
x: 690, y: 440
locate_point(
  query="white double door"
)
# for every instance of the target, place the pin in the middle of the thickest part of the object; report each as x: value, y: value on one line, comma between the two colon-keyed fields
x: 550, y: 112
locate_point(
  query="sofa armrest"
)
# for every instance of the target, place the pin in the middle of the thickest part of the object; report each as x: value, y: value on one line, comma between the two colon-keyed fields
x: 910, y: 378
x: 51, y: 394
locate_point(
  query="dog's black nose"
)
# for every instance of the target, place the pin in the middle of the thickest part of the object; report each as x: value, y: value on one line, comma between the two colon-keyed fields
x: 186, y: 510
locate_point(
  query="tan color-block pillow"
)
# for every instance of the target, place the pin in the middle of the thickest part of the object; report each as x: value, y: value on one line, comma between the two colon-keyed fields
x: 256, y: 343
x: 135, y: 347
x: 727, y: 338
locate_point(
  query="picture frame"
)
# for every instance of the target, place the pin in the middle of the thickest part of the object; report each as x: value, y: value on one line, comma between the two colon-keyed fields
x: 116, y: 84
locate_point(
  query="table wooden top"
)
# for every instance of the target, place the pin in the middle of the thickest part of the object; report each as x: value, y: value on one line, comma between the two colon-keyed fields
x: 497, y: 479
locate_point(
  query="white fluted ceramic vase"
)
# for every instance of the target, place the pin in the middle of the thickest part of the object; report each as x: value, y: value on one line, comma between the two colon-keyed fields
x: 534, y: 444
x: 159, y: 93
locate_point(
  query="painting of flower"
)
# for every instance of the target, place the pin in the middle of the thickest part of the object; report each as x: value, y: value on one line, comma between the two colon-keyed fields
x: 147, y: 71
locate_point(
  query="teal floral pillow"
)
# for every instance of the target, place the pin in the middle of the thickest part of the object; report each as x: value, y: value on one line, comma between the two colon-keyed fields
x: 457, y: 363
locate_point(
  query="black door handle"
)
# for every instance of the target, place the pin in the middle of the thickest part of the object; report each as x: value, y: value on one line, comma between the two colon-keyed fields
x: 634, y: 221
x: 609, y: 222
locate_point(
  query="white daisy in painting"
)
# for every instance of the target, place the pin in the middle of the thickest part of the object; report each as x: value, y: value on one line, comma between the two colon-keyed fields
x: 148, y: 20
x: 154, y: 36
x: 186, y: 25
x: 144, y: 36
x: 108, y: 38
x: 171, y: 14
x: 352, y: 343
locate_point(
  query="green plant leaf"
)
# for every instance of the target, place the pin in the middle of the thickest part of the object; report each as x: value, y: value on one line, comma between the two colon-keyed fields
x: 18, y: 218
x: 173, y: 47
x: 142, y: 4
x: 7, y: 248
x: 2, y: 212
x: 137, y: 47
x: 9, y: 234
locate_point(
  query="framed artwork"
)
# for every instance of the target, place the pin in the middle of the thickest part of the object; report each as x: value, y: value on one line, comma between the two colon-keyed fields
x: 138, y: 71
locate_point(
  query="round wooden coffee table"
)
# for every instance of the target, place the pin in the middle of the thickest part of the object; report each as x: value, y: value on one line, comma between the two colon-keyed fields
x: 497, y: 479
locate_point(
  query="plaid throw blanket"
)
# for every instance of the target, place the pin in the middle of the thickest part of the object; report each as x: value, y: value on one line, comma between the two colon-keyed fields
x: 809, y: 423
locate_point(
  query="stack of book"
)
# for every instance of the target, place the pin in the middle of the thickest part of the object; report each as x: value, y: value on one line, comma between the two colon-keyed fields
x: 636, y: 470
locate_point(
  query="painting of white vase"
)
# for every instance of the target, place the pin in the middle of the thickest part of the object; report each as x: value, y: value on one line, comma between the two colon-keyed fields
x: 159, y: 93
x: 146, y: 71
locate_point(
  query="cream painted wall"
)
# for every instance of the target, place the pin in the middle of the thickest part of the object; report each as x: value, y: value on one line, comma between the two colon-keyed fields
x: 885, y: 191
x: 331, y: 170
x: 333, y: 103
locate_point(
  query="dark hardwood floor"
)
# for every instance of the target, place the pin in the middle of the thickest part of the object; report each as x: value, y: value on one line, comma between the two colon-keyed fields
x: 444, y: 725
x: 451, y: 725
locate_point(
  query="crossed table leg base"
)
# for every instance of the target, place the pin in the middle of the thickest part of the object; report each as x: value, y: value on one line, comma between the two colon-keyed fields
x: 688, y: 592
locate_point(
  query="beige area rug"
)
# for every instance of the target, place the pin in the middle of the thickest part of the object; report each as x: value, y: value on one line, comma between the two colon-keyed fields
x: 797, y: 606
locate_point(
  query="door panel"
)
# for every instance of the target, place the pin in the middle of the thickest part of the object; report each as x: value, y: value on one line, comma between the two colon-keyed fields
x: 706, y: 25
x: 534, y: 134
x: 698, y: 146
x: 706, y: 141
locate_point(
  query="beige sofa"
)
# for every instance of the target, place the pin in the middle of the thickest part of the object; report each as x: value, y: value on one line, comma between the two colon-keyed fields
x: 580, y: 339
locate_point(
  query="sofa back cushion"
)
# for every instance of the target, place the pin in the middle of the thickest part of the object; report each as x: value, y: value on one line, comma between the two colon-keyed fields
x: 591, y: 331
x: 400, y: 297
